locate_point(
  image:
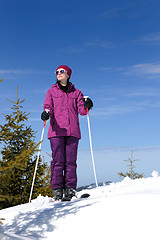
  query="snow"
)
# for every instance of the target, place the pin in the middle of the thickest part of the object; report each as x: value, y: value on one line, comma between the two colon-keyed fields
x: 129, y: 209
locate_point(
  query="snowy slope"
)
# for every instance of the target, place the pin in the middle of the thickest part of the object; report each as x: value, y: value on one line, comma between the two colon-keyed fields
x: 129, y: 209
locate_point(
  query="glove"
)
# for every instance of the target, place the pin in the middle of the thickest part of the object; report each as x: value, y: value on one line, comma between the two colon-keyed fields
x: 45, y: 115
x: 88, y: 103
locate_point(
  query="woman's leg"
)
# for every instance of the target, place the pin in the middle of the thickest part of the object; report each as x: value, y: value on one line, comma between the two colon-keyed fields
x: 57, y: 163
x: 71, y: 162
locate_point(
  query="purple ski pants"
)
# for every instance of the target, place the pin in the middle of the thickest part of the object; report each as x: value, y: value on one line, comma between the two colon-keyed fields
x: 63, y: 164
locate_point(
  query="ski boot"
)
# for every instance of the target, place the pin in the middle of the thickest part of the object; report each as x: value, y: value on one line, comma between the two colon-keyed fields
x: 68, y: 194
x: 58, y: 194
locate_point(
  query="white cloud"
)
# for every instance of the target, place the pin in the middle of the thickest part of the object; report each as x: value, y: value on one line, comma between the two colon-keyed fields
x: 111, y: 69
x: 111, y: 13
x: 81, y: 47
x: 117, y: 109
x: 126, y: 148
x: 70, y: 50
x: 19, y: 71
x: 142, y: 93
x: 128, y: 10
x: 100, y: 43
x: 153, y: 38
x: 147, y: 69
x: 126, y: 101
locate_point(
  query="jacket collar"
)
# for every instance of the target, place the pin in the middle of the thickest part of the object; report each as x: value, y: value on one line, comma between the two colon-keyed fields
x: 70, y: 87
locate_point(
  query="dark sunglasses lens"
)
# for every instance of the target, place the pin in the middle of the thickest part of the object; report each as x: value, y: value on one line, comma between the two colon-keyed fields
x: 61, y: 71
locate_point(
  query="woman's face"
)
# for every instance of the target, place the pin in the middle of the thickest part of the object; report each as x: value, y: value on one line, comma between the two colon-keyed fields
x: 62, y: 77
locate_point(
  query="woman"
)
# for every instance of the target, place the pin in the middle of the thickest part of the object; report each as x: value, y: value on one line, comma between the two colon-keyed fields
x: 63, y: 103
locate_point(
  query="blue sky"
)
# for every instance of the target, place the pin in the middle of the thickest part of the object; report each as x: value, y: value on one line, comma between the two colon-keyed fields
x: 113, y: 48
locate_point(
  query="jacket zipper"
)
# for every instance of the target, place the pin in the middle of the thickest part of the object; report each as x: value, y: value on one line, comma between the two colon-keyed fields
x: 68, y: 116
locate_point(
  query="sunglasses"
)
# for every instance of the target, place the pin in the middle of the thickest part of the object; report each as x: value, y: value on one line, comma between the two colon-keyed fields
x: 61, y: 72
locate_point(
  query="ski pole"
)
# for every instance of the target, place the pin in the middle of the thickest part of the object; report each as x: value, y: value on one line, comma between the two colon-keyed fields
x: 90, y: 140
x: 37, y: 160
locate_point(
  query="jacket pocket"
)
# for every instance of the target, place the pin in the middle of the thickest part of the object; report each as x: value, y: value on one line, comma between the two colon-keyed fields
x: 58, y: 103
x: 73, y: 101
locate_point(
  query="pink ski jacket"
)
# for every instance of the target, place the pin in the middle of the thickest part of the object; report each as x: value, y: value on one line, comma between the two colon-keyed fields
x: 64, y: 108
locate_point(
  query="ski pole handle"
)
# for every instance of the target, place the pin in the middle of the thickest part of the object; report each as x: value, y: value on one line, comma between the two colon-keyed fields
x: 85, y: 99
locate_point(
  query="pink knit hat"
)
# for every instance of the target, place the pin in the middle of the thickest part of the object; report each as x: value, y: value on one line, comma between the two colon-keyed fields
x: 69, y: 71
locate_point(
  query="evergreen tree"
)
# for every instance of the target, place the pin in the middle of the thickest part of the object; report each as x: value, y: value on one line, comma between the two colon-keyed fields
x: 44, y: 186
x: 1, y: 196
x: 131, y: 173
x: 17, y: 165
x: 42, y: 181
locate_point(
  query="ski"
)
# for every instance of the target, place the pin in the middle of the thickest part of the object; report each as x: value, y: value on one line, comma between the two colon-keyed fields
x: 85, y: 195
x: 68, y: 199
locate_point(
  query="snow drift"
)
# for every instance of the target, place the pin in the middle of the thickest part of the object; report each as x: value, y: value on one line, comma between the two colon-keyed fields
x: 129, y: 209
